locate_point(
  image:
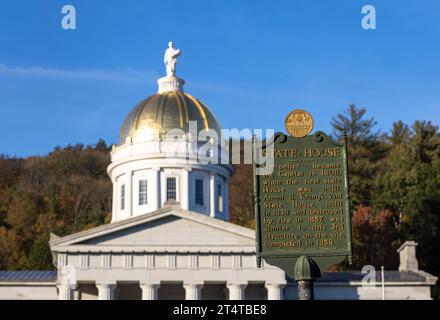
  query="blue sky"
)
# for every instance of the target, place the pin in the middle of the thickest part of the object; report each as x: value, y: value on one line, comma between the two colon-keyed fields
x: 251, y: 62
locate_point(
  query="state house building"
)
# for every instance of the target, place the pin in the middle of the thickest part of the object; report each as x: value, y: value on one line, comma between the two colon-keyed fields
x: 169, y: 237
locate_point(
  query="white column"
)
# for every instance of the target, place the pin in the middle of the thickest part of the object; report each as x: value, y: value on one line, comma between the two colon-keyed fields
x: 236, y: 291
x: 156, y: 186
x: 212, y: 195
x: 66, y: 292
x: 184, y: 201
x: 149, y: 291
x: 115, y: 200
x: 193, y: 291
x: 274, y: 291
x: 106, y: 291
x: 129, y: 194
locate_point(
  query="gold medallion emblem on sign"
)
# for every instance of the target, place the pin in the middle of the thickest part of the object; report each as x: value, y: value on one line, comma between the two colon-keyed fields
x: 298, y: 123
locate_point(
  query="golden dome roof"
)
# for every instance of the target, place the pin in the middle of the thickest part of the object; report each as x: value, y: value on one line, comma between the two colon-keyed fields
x: 164, y: 111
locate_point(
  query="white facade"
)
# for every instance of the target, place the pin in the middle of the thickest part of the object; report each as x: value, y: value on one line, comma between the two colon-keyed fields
x: 154, y: 162
x: 169, y: 248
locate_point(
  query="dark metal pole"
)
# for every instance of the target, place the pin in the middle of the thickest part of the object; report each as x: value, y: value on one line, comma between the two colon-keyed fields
x: 306, y: 271
x: 305, y: 290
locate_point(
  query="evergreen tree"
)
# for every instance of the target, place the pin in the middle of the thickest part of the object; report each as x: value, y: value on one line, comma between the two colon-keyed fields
x: 365, y: 152
x: 40, y: 257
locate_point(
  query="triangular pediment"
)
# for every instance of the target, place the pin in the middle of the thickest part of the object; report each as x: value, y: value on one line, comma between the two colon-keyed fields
x: 165, y: 229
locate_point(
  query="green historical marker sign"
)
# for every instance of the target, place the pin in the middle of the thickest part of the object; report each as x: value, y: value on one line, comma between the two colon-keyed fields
x: 302, y: 208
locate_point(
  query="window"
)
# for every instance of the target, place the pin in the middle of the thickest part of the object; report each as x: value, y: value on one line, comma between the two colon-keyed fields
x: 143, y: 192
x: 220, y: 198
x: 123, y: 197
x: 199, y: 192
x: 171, y: 188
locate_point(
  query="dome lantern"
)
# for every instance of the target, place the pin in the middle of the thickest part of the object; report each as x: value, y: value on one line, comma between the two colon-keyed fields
x: 169, y: 109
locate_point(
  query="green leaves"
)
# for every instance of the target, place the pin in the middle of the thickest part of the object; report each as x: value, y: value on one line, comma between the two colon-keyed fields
x: 395, y: 179
x: 366, y: 150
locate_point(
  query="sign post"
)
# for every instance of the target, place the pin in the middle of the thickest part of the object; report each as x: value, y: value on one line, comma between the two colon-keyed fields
x: 301, y: 206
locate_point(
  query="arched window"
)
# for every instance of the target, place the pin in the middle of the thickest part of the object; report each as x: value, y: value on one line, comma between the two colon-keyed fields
x: 123, y: 197
x: 143, y: 192
x: 199, y: 192
x: 171, y: 188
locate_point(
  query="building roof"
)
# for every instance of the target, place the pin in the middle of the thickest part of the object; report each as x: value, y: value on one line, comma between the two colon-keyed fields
x: 162, y: 112
x: 327, y: 277
x: 166, y: 216
x: 390, y: 276
x: 28, y: 276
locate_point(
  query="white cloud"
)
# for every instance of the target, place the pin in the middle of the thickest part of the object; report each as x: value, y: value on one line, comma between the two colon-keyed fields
x: 131, y: 76
x: 114, y: 75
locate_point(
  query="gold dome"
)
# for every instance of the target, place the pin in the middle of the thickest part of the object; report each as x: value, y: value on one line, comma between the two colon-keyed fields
x: 164, y: 111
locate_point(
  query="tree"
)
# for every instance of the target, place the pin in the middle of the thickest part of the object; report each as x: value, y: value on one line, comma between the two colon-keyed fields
x: 23, y: 212
x: 64, y: 192
x: 40, y: 257
x: 409, y: 186
x: 241, y: 205
x: 101, y: 146
x: 356, y: 128
x: 373, y: 238
x: 365, y: 152
x: 10, y: 169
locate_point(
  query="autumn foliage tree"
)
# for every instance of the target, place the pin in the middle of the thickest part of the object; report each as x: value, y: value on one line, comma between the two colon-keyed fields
x: 64, y: 192
x: 241, y: 205
x: 374, y: 239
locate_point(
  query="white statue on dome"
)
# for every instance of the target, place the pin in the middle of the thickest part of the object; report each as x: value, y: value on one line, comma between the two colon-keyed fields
x: 170, y: 59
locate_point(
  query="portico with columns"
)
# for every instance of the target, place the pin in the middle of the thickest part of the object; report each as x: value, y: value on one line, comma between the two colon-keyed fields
x: 168, y: 253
